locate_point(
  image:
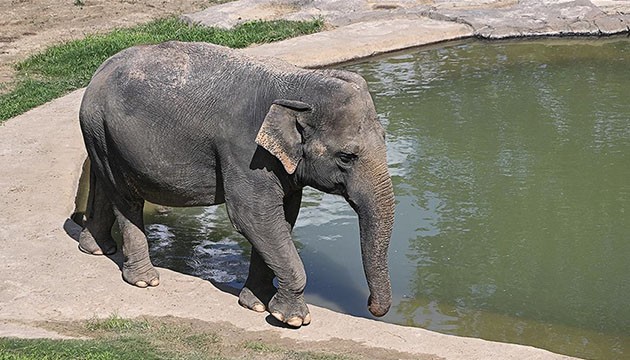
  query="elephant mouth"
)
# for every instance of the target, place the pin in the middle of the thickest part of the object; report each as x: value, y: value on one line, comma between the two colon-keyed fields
x: 335, y: 189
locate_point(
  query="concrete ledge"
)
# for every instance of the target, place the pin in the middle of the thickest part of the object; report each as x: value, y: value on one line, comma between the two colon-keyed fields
x: 361, y: 40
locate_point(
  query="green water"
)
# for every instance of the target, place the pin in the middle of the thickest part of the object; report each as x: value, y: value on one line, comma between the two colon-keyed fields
x: 511, y: 165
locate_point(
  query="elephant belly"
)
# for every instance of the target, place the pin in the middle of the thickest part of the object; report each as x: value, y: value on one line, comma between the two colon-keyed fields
x: 162, y: 166
x: 168, y: 180
x: 194, y: 192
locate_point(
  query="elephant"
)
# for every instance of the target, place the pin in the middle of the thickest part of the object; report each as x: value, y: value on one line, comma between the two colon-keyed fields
x: 194, y: 124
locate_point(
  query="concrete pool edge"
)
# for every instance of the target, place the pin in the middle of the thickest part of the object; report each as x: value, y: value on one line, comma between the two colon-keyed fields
x: 44, y: 276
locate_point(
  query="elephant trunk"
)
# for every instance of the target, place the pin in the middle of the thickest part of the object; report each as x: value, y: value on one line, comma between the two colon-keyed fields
x: 373, y: 200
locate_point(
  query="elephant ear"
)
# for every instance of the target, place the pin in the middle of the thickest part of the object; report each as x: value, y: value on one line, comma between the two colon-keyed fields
x: 279, y: 132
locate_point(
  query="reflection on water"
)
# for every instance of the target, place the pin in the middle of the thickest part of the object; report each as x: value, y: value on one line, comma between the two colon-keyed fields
x: 510, y: 164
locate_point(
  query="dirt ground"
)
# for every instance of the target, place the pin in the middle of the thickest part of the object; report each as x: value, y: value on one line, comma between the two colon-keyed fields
x: 29, y: 26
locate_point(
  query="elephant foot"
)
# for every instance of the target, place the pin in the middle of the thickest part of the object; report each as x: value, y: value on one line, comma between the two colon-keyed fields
x: 141, y: 276
x: 256, y: 300
x: 89, y: 245
x: 291, y: 310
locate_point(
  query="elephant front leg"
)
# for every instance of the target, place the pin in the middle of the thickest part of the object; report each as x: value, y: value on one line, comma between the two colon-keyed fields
x: 287, y: 305
x: 137, y: 267
x: 273, y: 253
x: 259, y: 289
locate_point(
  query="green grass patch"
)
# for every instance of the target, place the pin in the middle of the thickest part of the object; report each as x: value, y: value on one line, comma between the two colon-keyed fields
x: 115, y: 323
x: 259, y: 346
x: 118, y: 338
x: 104, y: 349
x: 69, y: 66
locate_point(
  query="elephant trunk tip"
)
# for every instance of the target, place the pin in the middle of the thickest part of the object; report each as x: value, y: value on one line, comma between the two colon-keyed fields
x: 378, y: 309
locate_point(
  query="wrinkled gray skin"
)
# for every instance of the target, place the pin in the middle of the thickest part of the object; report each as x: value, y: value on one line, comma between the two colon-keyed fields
x: 190, y: 124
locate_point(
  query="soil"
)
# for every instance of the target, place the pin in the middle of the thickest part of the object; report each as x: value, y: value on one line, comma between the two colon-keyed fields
x: 29, y: 26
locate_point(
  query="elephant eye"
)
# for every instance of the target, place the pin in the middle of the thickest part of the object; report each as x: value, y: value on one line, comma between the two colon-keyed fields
x: 346, y: 158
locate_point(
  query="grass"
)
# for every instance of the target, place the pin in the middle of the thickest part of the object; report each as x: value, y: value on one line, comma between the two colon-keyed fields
x: 117, y: 324
x: 22, y: 349
x: 118, y: 338
x: 69, y: 66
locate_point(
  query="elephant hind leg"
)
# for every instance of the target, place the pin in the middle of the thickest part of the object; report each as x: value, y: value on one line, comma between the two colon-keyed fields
x: 137, y: 267
x: 96, y: 236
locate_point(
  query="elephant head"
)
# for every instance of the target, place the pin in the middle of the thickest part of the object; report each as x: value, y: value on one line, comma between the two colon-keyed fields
x: 331, y: 139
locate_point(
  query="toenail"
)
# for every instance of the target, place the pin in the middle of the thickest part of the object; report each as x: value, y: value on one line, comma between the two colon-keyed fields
x: 278, y: 316
x: 295, y: 322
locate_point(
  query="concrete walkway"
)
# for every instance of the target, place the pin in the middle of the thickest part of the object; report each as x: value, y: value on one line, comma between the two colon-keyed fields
x: 44, y: 277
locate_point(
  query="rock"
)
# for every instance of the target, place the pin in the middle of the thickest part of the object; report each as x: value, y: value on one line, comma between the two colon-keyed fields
x: 490, y: 19
x: 539, y: 18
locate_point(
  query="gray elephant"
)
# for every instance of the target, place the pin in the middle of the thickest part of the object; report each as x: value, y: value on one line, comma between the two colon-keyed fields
x: 194, y: 124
